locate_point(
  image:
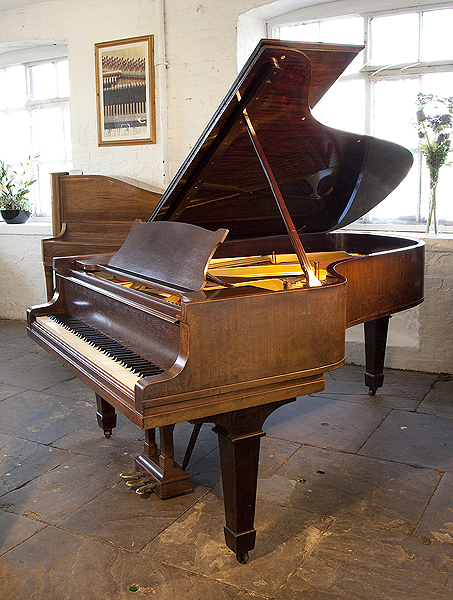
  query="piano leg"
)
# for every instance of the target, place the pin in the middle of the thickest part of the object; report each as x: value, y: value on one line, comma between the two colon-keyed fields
x: 106, y: 416
x: 239, y: 434
x: 159, y: 466
x: 375, y: 342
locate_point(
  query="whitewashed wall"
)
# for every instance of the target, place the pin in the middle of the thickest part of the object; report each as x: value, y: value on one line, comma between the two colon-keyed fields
x: 203, y: 43
x: 22, y: 282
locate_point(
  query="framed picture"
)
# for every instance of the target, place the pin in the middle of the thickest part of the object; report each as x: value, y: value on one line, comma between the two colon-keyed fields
x: 125, y: 91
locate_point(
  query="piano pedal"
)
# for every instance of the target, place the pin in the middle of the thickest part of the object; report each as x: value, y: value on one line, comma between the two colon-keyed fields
x: 137, y: 482
x: 143, y: 484
x: 146, y: 488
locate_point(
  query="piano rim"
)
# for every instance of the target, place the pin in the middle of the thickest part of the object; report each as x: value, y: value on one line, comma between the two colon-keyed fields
x: 211, y: 401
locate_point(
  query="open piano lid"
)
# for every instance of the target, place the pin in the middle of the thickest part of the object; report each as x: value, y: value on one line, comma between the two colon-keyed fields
x: 328, y: 178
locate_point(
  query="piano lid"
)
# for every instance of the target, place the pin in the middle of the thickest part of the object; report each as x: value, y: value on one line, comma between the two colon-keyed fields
x: 328, y: 178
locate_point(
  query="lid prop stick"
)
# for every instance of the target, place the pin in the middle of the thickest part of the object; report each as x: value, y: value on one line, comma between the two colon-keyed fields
x: 311, y: 278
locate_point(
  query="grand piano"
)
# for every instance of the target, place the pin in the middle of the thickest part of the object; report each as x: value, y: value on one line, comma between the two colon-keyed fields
x: 234, y: 297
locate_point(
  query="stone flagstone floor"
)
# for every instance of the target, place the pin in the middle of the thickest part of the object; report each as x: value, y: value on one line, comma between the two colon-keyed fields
x: 355, y: 495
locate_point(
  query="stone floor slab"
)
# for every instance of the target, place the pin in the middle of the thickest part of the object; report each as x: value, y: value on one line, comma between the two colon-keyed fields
x: 401, y: 402
x: 415, y: 439
x: 126, y: 440
x: 325, y: 423
x: 36, y: 370
x: 41, y: 417
x: 439, y: 400
x: 284, y: 538
x: 58, y: 493
x: 373, y: 564
x: 83, y: 569
x: 73, y: 388
x: 6, y: 391
x: 352, y: 488
x: 22, y: 461
x: 15, y: 529
x: 121, y: 517
x: 402, y: 385
x: 13, y: 334
x: 437, y: 522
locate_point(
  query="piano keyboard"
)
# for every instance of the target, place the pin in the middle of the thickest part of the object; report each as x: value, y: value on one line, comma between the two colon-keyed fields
x: 107, y: 354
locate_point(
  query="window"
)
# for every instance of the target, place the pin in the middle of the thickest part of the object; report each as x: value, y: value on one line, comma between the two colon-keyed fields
x: 34, y: 119
x: 406, y: 52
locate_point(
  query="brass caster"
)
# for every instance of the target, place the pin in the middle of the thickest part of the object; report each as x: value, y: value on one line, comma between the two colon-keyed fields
x: 107, y: 433
x: 242, y: 557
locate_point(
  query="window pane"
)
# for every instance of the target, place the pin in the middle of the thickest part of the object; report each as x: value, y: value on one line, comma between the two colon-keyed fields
x: 342, y: 31
x: 48, y: 138
x: 2, y: 89
x: 306, y: 32
x: 401, y: 203
x: 15, y: 139
x: 42, y: 189
x: 343, y: 106
x: 13, y: 92
x: 43, y: 81
x: 394, y: 111
x: 345, y: 31
x: 394, y: 39
x: 436, y: 36
x: 63, y: 79
x: 438, y: 84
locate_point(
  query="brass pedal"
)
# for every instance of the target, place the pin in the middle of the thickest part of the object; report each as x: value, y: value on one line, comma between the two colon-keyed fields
x: 145, y: 488
x: 135, y: 482
x: 140, y: 481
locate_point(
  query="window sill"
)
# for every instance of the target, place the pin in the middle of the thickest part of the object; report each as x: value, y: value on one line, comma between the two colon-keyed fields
x: 31, y: 227
x: 399, y: 230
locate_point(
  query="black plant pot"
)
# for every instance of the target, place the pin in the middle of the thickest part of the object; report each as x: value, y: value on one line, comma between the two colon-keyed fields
x: 15, y: 216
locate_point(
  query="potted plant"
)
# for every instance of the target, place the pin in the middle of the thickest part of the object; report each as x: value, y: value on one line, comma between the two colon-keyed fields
x: 434, y: 131
x: 15, y: 205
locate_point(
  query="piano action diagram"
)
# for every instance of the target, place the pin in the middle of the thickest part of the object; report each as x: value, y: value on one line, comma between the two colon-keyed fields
x: 234, y: 297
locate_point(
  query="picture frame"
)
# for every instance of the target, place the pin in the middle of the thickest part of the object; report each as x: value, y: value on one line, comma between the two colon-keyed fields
x: 125, y: 97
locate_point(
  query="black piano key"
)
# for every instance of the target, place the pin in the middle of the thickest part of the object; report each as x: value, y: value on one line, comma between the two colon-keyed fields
x: 111, y: 348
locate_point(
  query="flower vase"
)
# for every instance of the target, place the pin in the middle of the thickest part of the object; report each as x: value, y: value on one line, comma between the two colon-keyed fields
x: 15, y: 216
x: 432, y: 214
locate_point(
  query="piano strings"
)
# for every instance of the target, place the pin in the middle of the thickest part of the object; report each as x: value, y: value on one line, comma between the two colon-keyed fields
x: 269, y: 271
